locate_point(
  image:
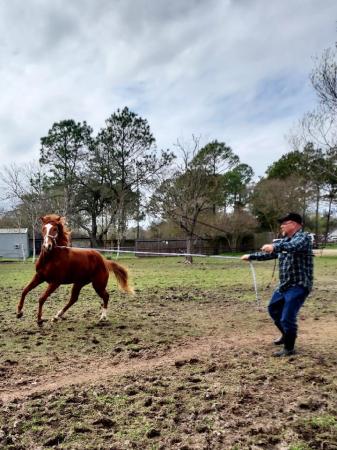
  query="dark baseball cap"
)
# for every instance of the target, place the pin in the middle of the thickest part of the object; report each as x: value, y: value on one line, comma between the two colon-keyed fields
x: 291, y: 216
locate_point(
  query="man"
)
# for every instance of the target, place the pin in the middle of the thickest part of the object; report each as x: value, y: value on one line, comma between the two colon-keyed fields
x: 294, y: 253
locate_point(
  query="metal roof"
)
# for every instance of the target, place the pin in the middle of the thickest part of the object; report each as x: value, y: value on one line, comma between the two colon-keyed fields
x: 13, y: 230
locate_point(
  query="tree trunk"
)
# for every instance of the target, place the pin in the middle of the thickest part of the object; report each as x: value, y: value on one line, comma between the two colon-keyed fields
x: 189, y: 249
x: 328, y: 219
x: 93, y: 233
x: 34, y: 240
x: 317, y: 211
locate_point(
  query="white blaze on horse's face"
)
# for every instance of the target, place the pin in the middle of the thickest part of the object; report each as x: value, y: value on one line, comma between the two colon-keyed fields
x: 50, y: 236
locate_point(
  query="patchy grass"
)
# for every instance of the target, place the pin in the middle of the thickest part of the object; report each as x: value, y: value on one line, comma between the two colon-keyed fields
x: 228, y: 393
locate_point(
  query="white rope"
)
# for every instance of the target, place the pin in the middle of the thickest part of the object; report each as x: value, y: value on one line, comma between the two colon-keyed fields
x: 252, y: 269
x: 164, y: 254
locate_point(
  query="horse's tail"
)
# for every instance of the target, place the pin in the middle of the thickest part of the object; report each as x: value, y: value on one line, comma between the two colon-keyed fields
x: 121, y: 274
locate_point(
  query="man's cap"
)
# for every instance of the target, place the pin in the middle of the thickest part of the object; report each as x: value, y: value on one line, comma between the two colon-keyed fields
x: 291, y: 216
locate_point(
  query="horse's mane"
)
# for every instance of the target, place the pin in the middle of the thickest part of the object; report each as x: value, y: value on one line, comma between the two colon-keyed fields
x: 63, y: 238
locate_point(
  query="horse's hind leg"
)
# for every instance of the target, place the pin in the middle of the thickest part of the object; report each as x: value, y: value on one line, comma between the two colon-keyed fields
x: 100, y: 288
x: 50, y: 289
x: 105, y: 297
x: 35, y: 282
x: 75, y: 292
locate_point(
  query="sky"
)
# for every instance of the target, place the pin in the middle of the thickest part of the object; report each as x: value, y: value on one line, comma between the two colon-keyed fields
x: 237, y: 71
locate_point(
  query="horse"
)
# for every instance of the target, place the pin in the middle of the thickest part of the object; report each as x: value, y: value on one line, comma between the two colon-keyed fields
x: 58, y: 263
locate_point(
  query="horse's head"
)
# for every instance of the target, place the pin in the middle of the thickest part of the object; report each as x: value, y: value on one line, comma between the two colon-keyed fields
x: 54, y: 232
x: 50, y: 231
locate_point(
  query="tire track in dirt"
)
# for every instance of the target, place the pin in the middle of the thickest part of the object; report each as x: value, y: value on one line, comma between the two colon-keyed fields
x: 311, y: 331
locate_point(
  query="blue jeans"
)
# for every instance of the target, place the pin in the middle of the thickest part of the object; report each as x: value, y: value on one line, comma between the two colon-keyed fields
x: 284, y: 307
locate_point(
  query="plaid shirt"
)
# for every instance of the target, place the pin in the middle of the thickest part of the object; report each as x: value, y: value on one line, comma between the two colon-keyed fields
x: 295, y: 260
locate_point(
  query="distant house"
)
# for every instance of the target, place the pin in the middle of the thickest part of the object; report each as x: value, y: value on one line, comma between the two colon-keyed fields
x: 14, y: 243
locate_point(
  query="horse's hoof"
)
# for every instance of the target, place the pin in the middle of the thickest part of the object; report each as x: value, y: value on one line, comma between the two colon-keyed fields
x: 58, y: 318
x: 19, y: 314
x: 40, y: 322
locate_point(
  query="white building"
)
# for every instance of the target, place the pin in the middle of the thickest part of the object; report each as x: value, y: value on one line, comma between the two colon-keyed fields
x: 14, y: 243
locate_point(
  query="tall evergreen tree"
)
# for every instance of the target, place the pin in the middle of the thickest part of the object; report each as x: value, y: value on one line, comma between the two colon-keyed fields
x: 127, y: 155
x: 63, y: 151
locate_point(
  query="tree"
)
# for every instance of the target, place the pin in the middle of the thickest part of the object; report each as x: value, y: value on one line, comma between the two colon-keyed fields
x: 25, y: 189
x: 290, y: 163
x: 188, y: 193
x: 63, y: 151
x: 235, y: 186
x: 324, y: 79
x: 236, y: 226
x: 217, y: 159
x: 93, y: 198
x: 308, y: 166
x: 127, y: 157
x: 329, y: 172
x: 273, y: 197
x: 319, y: 127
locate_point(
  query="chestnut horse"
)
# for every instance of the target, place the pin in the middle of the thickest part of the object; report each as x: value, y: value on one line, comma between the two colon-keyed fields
x: 60, y: 264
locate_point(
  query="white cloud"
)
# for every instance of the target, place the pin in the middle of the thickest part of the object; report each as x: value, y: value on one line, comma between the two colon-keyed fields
x: 235, y: 71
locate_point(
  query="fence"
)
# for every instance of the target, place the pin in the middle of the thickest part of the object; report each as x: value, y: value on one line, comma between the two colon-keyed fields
x: 204, y: 246
x: 214, y: 246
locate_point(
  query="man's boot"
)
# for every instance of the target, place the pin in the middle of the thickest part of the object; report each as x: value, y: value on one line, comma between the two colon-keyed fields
x: 289, y: 344
x: 280, y: 340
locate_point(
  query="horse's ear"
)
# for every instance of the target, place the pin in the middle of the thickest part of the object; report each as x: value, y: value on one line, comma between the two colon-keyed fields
x: 42, y: 219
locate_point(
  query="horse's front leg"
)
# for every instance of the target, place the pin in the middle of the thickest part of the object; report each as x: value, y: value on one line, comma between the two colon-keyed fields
x: 50, y: 289
x: 35, y: 282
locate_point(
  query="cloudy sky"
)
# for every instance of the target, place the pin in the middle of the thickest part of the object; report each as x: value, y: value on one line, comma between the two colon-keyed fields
x: 232, y: 70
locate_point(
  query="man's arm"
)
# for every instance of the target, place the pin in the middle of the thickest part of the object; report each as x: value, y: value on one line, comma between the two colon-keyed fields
x: 299, y: 243
x: 259, y: 256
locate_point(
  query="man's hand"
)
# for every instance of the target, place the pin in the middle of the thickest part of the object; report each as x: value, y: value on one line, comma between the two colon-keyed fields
x: 245, y: 257
x: 268, y: 248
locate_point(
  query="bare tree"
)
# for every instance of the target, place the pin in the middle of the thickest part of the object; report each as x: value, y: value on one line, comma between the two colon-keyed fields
x: 320, y: 125
x: 236, y: 226
x: 23, y: 188
x: 319, y: 128
x: 187, y: 194
x: 324, y: 79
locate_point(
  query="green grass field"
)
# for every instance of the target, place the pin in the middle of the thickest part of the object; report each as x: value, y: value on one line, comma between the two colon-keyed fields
x: 185, y: 363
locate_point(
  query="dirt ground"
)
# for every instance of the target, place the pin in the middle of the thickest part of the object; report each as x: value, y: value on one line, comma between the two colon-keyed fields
x: 175, y: 368
x: 12, y: 386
